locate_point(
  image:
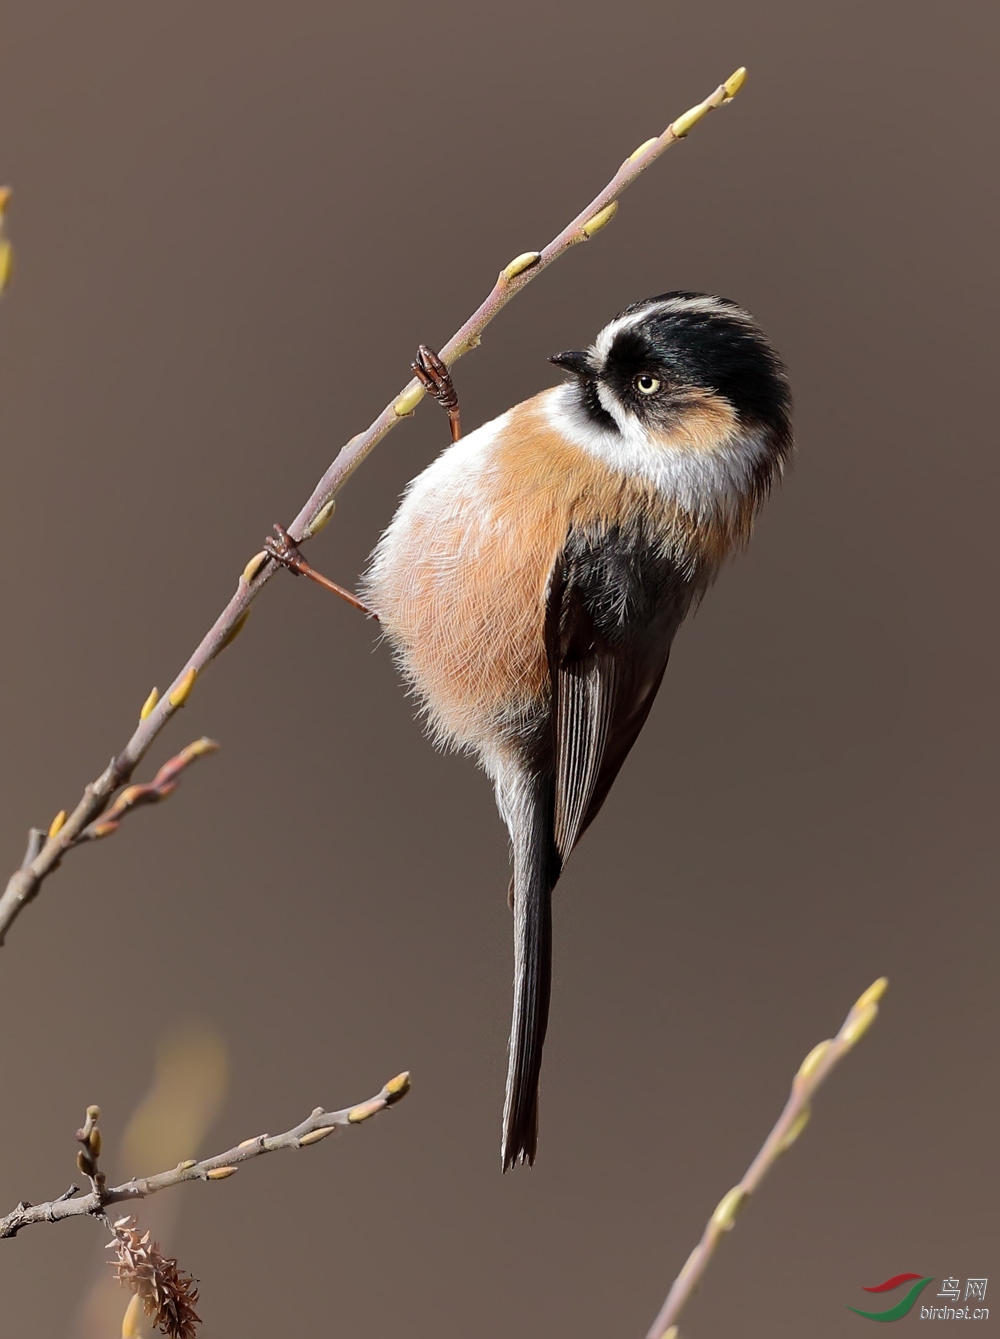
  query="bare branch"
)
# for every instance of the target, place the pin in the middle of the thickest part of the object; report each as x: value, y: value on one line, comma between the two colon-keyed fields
x: 6, y: 254
x: 25, y: 882
x: 790, y: 1124
x: 315, y: 1127
x: 162, y: 785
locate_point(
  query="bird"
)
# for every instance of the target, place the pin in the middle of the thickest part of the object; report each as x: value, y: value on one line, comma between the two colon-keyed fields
x: 535, y: 574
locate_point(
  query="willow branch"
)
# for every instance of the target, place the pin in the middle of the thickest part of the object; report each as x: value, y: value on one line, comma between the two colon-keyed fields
x: 134, y: 797
x: 790, y: 1124
x: 6, y: 254
x: 312, y: 1130
x: 25, y: 882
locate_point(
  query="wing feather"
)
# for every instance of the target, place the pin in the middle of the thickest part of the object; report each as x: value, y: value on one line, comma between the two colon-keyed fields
x: 614, y: 604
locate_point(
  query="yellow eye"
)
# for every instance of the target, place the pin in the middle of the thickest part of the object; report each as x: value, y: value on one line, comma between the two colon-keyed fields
x: 646, y: 384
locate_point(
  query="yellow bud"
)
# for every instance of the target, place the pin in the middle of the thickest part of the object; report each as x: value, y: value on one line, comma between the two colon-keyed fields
x: 6, y: 263
x: 187, y: 1165
x: 150, y: 702
x: 812, y: 1061
x: 399, y: 1085
x: 637, y: 153
x: 520, y: 263
x: 55, y: 827
x: 247, y: 1143
x: 314, y: 1136
x: 690, y: 118
x: 728, y: 1207
x: 795, y: 1129
x: 5, y: 194
x: 856, y: 1027
x: 234, y: 631
x: 735, y: 82
x: 357, y: 1114
x: 183, y: 690
x: 132, y: 1321
x: 220, y: 1173
x: 201, y: 748
x: 93, y: 1113
x: 96, y: 1145
x: 600, y: 219
x: 408, y: 401
x: 874, y: 993
x: 672, y: 1333
x: 320, y: 519
x: 254, y: 565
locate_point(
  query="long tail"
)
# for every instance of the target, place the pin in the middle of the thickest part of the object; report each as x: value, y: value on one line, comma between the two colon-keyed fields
x: 536, y: 870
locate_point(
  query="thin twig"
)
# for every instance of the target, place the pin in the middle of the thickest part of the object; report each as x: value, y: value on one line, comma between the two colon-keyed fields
x: 24, y: 883
x: 790, y: 1124
x: 314, y: 1128
x: 163, y: 784
x: 6, y: 254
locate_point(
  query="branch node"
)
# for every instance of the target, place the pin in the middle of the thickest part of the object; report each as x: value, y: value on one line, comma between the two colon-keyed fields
x: 314, y: 1136
x: 601, y: 219
x: 253, y: 566
x: 183, y: 690
x: 728, y: 1207
x: 637, y: 153
x: 812, y: 1061
x: 36, y: 840
x: 525, y: 261
x: 321, y: 518
x: 408, y: 401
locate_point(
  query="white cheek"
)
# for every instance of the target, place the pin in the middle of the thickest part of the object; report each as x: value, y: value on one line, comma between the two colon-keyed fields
x: 698, y: 480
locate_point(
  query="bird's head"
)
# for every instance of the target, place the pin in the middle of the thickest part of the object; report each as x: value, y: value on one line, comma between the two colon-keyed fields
x: 684, y: 367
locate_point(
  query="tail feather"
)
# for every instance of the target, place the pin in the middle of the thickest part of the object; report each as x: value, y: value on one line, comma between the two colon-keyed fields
x: 536, y: 870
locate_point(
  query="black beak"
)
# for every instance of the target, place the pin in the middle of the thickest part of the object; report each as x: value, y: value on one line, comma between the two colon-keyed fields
x: 575, y: 362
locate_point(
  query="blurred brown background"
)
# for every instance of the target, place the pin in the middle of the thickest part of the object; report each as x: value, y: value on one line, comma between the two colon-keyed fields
x: 234, y: 223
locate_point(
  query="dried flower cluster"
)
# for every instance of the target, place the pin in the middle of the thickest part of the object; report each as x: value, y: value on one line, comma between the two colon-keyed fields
x: 167, y: 1294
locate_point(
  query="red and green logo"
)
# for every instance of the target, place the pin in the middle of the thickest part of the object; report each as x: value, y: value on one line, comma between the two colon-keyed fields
x: 902, y: 1308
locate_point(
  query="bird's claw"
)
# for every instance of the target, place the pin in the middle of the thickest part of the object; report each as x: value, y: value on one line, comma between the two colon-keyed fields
x: 436, y: 380
x: 284, y: 550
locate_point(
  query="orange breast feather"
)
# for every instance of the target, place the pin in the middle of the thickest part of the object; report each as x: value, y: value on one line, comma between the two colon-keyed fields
x: 460, y: 580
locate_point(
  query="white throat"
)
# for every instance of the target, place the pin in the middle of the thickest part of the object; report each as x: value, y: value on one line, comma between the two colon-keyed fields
x: 699, y: 480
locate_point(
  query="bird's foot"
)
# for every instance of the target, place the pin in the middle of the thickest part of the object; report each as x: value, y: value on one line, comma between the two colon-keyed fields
x: 435, y: 378
x: 284, y: 550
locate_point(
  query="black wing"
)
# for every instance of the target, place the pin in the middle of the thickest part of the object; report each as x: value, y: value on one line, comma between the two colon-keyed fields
x: 615, y: 602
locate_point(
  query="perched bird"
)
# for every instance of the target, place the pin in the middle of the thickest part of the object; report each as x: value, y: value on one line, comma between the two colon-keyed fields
x: 533, y: 579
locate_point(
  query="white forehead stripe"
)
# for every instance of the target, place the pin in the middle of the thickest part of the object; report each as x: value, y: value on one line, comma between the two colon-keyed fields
x: 703, y: 305
x: 601, y: 346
